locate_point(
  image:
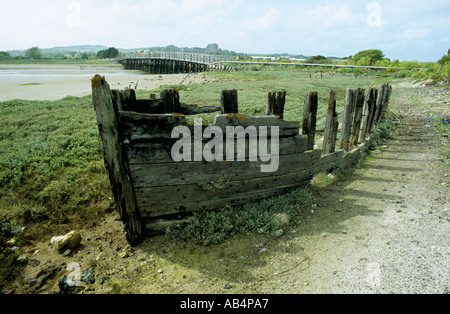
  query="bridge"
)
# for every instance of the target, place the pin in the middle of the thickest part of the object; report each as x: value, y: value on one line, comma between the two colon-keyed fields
x: 175, y: 62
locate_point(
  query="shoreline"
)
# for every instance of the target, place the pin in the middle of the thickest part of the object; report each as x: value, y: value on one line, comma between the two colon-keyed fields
x: 56, y: 81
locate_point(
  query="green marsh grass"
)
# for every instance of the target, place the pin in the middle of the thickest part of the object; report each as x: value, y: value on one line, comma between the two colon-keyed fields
x: 253, y: 87
x: 51, y: 166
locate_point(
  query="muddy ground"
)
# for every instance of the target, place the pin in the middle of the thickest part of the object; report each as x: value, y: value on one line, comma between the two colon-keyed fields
x: 381, y: 228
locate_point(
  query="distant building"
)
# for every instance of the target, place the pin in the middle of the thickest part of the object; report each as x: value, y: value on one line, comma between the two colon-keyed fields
x: 141, y: 52
x: 212, y: 48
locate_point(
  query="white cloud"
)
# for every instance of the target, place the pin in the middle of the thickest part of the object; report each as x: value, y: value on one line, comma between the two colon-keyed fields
x: 266, y: 21
x: 330, y: 16
x: 408, y: 28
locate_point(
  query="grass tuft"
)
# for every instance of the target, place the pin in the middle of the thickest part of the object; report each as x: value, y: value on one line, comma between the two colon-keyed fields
x: 264, y: 217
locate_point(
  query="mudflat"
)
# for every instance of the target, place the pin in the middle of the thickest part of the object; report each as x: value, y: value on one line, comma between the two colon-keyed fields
x: 56, y: 81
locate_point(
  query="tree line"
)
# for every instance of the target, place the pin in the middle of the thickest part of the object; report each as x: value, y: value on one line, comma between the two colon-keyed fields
x: 110, y: 53
x: 36, y: 53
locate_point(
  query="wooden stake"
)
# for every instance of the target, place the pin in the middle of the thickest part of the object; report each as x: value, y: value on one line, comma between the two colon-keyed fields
x: 171, y: 100
x: 372, y: 108
x: 366, y: 114
x: 344, y: 139
x: 379, y: 104
x: 276, y: 103
x: 115, y: 161
x: 331, y: 126
x: 310, y: 118
x: 386, y: 100
x: 229, y: 101
x: 359, y: 106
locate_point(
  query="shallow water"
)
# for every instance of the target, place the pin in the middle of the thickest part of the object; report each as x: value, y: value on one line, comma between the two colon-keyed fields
x: 56, y: 81
x: 59, y: 73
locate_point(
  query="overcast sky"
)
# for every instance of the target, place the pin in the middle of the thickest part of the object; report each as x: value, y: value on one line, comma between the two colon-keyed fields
x: 404, y: 29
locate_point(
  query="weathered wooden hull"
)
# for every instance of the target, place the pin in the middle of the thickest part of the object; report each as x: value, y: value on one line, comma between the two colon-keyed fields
x: 150, y: 187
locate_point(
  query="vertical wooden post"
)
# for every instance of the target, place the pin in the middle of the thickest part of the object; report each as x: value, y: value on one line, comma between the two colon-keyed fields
x: 229, y: 101
x: 359, y: 106
x: 366, y: 114
x: 386, y: 100
x: 276, y: 103
x: 346, y: 127
x: 310, y: 118
x: 271, y: 103
x: 115, y: 160
x: 124, y: 99
x: 128, y: 97
x: 379, y: 104
x: 331, y: 126
x: 117, y: 99
x: 372, y: 109
x: 171, y: 100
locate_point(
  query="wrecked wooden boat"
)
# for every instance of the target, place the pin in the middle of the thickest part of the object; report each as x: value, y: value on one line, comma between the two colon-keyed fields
x: 159, y: 177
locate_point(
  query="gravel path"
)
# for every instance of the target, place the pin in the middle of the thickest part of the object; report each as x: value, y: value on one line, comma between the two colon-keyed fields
x: 385, y: 229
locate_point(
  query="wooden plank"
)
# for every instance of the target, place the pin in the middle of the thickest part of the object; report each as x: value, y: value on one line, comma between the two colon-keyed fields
x: 310, y: 118
x: 276, y: 103
x: 331, y: 126
x: 359, y: 106
x: 286, y: 128
x: 368, y: 109
x: 271, y: 103
x: 344, y: 139
x: 151, y: 106
x: 156, y: 106
x: 138, y: 126
x: 183, y: 173
x: 352, y: 158
x: 156, y: 212
x: 372, y: 110
x: 159, y: 150
x: 160, y: 226
x: 114, y: 158
x: 379, y: 104
x: 245, y: 121
x: 188, y: 109
x: 159, y: 201
x: 386, y: 100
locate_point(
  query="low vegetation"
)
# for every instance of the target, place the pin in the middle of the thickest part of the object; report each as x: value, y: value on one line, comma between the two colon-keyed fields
x: 50, y: 167
x: 265, y: 217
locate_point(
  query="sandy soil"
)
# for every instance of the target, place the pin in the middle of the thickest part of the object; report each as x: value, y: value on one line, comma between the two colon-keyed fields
x: 383, y: 229
x: 52, y: 82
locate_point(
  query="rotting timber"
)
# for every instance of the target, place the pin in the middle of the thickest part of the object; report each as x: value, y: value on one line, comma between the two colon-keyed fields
x: 152, y: 191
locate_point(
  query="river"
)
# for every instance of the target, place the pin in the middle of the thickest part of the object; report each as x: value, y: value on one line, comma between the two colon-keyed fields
x: 56, y: 81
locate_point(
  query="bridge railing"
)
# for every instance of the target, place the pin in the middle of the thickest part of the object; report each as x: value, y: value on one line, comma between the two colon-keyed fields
x: 191, y: 57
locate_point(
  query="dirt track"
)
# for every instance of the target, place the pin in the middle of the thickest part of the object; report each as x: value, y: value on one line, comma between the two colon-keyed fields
x: 382, y: 229
x: 385, y: 229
